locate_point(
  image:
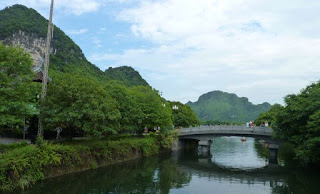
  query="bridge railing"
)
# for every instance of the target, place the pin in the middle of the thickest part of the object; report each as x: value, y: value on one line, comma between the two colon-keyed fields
x: 226, y: 128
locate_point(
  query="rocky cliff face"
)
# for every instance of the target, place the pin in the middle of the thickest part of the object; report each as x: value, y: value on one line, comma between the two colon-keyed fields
x: 31, y: 43
x: 26, y: 28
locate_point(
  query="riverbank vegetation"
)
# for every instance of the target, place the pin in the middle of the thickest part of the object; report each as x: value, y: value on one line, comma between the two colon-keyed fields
x: 22, y: 165
x: 112, y: 113
x: 270, y: 116
x: 298, y: 122
x: 82, y: 106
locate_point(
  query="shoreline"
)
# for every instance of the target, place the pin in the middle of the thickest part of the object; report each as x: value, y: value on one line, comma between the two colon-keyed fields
x: 24, y: 166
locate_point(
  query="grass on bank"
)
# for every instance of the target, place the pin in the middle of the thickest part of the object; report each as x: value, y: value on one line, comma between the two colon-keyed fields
x: 21, y: 165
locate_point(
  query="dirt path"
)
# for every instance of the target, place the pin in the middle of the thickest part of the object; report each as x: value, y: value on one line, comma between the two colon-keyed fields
x: 5, y: 140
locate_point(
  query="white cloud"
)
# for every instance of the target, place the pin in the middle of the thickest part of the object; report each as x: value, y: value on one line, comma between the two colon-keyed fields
x: 270, y: 46
x: 259, y: 49
x: 97, y: 42
x: 77, y: 32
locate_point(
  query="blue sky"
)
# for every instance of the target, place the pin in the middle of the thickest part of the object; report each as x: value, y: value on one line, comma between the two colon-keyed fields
x: 262, y: 49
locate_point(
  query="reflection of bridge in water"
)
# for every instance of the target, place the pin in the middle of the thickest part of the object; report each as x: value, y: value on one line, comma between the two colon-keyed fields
x: 204, y: 134
x: 273, y: 175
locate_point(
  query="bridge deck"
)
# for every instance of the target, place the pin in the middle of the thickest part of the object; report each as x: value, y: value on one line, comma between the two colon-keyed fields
x: 226, y: 130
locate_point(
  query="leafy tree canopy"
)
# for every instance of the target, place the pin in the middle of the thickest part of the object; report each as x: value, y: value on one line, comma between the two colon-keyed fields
x: 131, y: 114
x: 156, y: 112
x: 17, y: 91
x: 270, y: 116
x: 183, y: 115
x: 80, y: 104
x: 299, y: 122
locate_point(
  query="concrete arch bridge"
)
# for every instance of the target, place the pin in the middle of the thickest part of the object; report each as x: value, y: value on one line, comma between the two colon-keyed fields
x: 204, y: 134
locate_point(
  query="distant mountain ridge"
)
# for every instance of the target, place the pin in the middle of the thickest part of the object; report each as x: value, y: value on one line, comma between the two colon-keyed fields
x: 25, y: 27
x: 226, y: 107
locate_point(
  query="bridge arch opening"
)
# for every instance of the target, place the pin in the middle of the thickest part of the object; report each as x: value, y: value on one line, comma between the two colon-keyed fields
x: 203, y: 135
x: 230, y: 152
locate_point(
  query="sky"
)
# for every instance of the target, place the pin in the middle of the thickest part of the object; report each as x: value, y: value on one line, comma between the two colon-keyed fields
x: 262, y: 50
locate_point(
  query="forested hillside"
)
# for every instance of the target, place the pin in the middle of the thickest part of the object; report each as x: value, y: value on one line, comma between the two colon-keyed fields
x: 226, y: 107
x: 25, y: 27
x: 81, y: 99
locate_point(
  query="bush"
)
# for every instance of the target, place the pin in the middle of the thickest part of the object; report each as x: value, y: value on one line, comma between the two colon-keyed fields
x: 25, y: 164
x: 166, y: 138
x: 6, y: 147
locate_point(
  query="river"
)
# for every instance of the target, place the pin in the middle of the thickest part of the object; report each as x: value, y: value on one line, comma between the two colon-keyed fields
x: 232, y: 167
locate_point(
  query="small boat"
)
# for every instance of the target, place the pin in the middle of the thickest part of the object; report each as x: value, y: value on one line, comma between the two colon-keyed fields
x: 243, y: 139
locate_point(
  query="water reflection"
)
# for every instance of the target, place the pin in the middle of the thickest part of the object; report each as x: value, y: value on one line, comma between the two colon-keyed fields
x: 232, y: 153
x: 186, y: 172
x: 152, y: 175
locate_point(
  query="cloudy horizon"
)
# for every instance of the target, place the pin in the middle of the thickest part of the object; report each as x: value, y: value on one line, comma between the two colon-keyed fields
x: 262, y: 50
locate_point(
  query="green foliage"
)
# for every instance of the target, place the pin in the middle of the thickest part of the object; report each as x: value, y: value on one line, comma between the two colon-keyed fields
x: 127, y: 75
x: 19, y: 17
x: 77, y: 103
x: 183, y: 115
x: 298, y: 122
x: 129, y: 110
x: 17, y: 91
x: 154, y: 110
x: 24, y: 165
x: 88, y: 100
x: 40, y: 142
x: 270, y: 116
x: 261, y: 149
x: 222, y: 106
x: 67, y: 56
x: 8, y: 147
x: 167, y: 137
x: 286, y: 155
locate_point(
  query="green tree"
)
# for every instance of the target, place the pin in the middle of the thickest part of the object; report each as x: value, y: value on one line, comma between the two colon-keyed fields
x: 298, y: 122
x: 270, y: 116
x: 156, y: 112
x: 80, y: 104
x: 183, y: 115
x: 17, y: 91
x: 129, y: 110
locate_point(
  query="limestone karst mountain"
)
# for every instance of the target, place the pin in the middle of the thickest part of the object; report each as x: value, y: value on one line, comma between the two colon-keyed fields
x: 26, y: 28
x: 223, y: 106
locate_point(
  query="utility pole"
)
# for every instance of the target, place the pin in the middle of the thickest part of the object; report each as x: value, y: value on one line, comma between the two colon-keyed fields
x: 45, y: 71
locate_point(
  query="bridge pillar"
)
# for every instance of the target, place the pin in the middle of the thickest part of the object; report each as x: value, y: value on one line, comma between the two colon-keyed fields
x: 204, y: 147
x: 273, y: 158
x: 178, y: 144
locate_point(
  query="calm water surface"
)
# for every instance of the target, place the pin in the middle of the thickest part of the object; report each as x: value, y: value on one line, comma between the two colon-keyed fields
x: 232, y: 167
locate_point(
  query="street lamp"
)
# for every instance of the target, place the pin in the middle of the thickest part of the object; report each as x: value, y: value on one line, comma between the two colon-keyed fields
x: 175, y: 107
